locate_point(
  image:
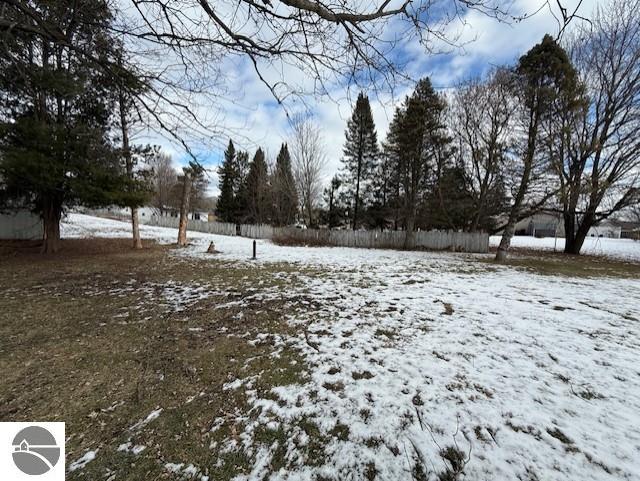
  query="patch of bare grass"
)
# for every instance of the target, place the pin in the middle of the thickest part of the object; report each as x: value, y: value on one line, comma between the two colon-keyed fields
x: 559, y: 264
x: 86, y: 342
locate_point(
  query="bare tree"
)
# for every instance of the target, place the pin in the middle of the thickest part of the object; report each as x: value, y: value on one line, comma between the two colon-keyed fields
x: 309, y: 161
x: 483, y: 113
x: 178, y: 48
x: 596, y: 140
x: 165, y: 178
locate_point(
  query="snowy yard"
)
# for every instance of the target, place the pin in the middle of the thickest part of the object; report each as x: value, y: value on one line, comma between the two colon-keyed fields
x: 405, y: 365
x: 624, y: 249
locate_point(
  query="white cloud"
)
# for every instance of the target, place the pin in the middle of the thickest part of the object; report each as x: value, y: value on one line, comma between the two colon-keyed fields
x: 250, y: 115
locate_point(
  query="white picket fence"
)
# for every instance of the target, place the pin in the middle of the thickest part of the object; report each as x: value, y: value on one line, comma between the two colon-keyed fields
x: 431, y: 240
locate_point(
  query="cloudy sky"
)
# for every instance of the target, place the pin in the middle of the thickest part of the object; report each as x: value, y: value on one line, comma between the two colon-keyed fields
x: 254, y: 119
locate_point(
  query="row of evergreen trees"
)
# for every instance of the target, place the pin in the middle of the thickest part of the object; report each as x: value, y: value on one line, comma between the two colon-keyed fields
x: 251, y: 193
x: 414, y: 180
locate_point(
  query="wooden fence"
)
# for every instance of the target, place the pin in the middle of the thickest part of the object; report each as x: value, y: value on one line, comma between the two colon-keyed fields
x: 431, y: 240
x: 220, y: 228
x: 259, y: 231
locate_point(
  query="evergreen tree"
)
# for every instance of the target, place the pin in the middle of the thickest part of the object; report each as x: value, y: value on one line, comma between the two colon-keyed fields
x: 57, y: 114
x: 390, y: 191
x: 258, y: 189
x: 285, y: 195
x: 450, y: 203
x: 241, y: 196
x: 335, y: 200
x: 416, y: 142
x: 543, y: 75
x: 226, y: 205
x: 381, y: 210
x: 360, y: 156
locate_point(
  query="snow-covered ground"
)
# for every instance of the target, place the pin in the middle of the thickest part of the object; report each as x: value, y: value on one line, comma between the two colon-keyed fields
x: 625, y: 249
x: 531, y: 377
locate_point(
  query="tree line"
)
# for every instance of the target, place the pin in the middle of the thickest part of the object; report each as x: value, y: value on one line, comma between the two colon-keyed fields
x: 559, y: 130
x: 250, y: 192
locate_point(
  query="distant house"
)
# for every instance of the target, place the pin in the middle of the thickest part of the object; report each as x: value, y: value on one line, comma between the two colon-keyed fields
x: 607, y: 228
x: 203, y: 215
x: 543, y: 224
x: 629, y: 230
x: 547, y: 223
x: 146, y: 214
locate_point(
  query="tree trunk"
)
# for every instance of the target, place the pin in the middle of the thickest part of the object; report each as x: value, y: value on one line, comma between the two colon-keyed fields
x: 51, y: 214
x: 505, y: 241
x: 331, y: 208
x: 573, y: 244
x: 510, y: 229
x: 359, y: 173
x: 410, y: 234
x: 184, y: 209
x: 135, y: 225
x: 569, y: 231
x: 124, y: 125
x: 355, y: 209
x: 309, y: 212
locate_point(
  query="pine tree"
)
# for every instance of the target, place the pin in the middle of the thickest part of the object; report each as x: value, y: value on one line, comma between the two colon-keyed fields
x: 360, y: 156
x: 391, y: 166
x: 57, y: 113
x: 450, y: 203
x: 241, y: 196
x: 543, y: 75
x: 415, y: 143
x: 258, y: 189
x: 285, y: 195
x: 381, y: 208
x: 335, y: 202
x: 226, y: 205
